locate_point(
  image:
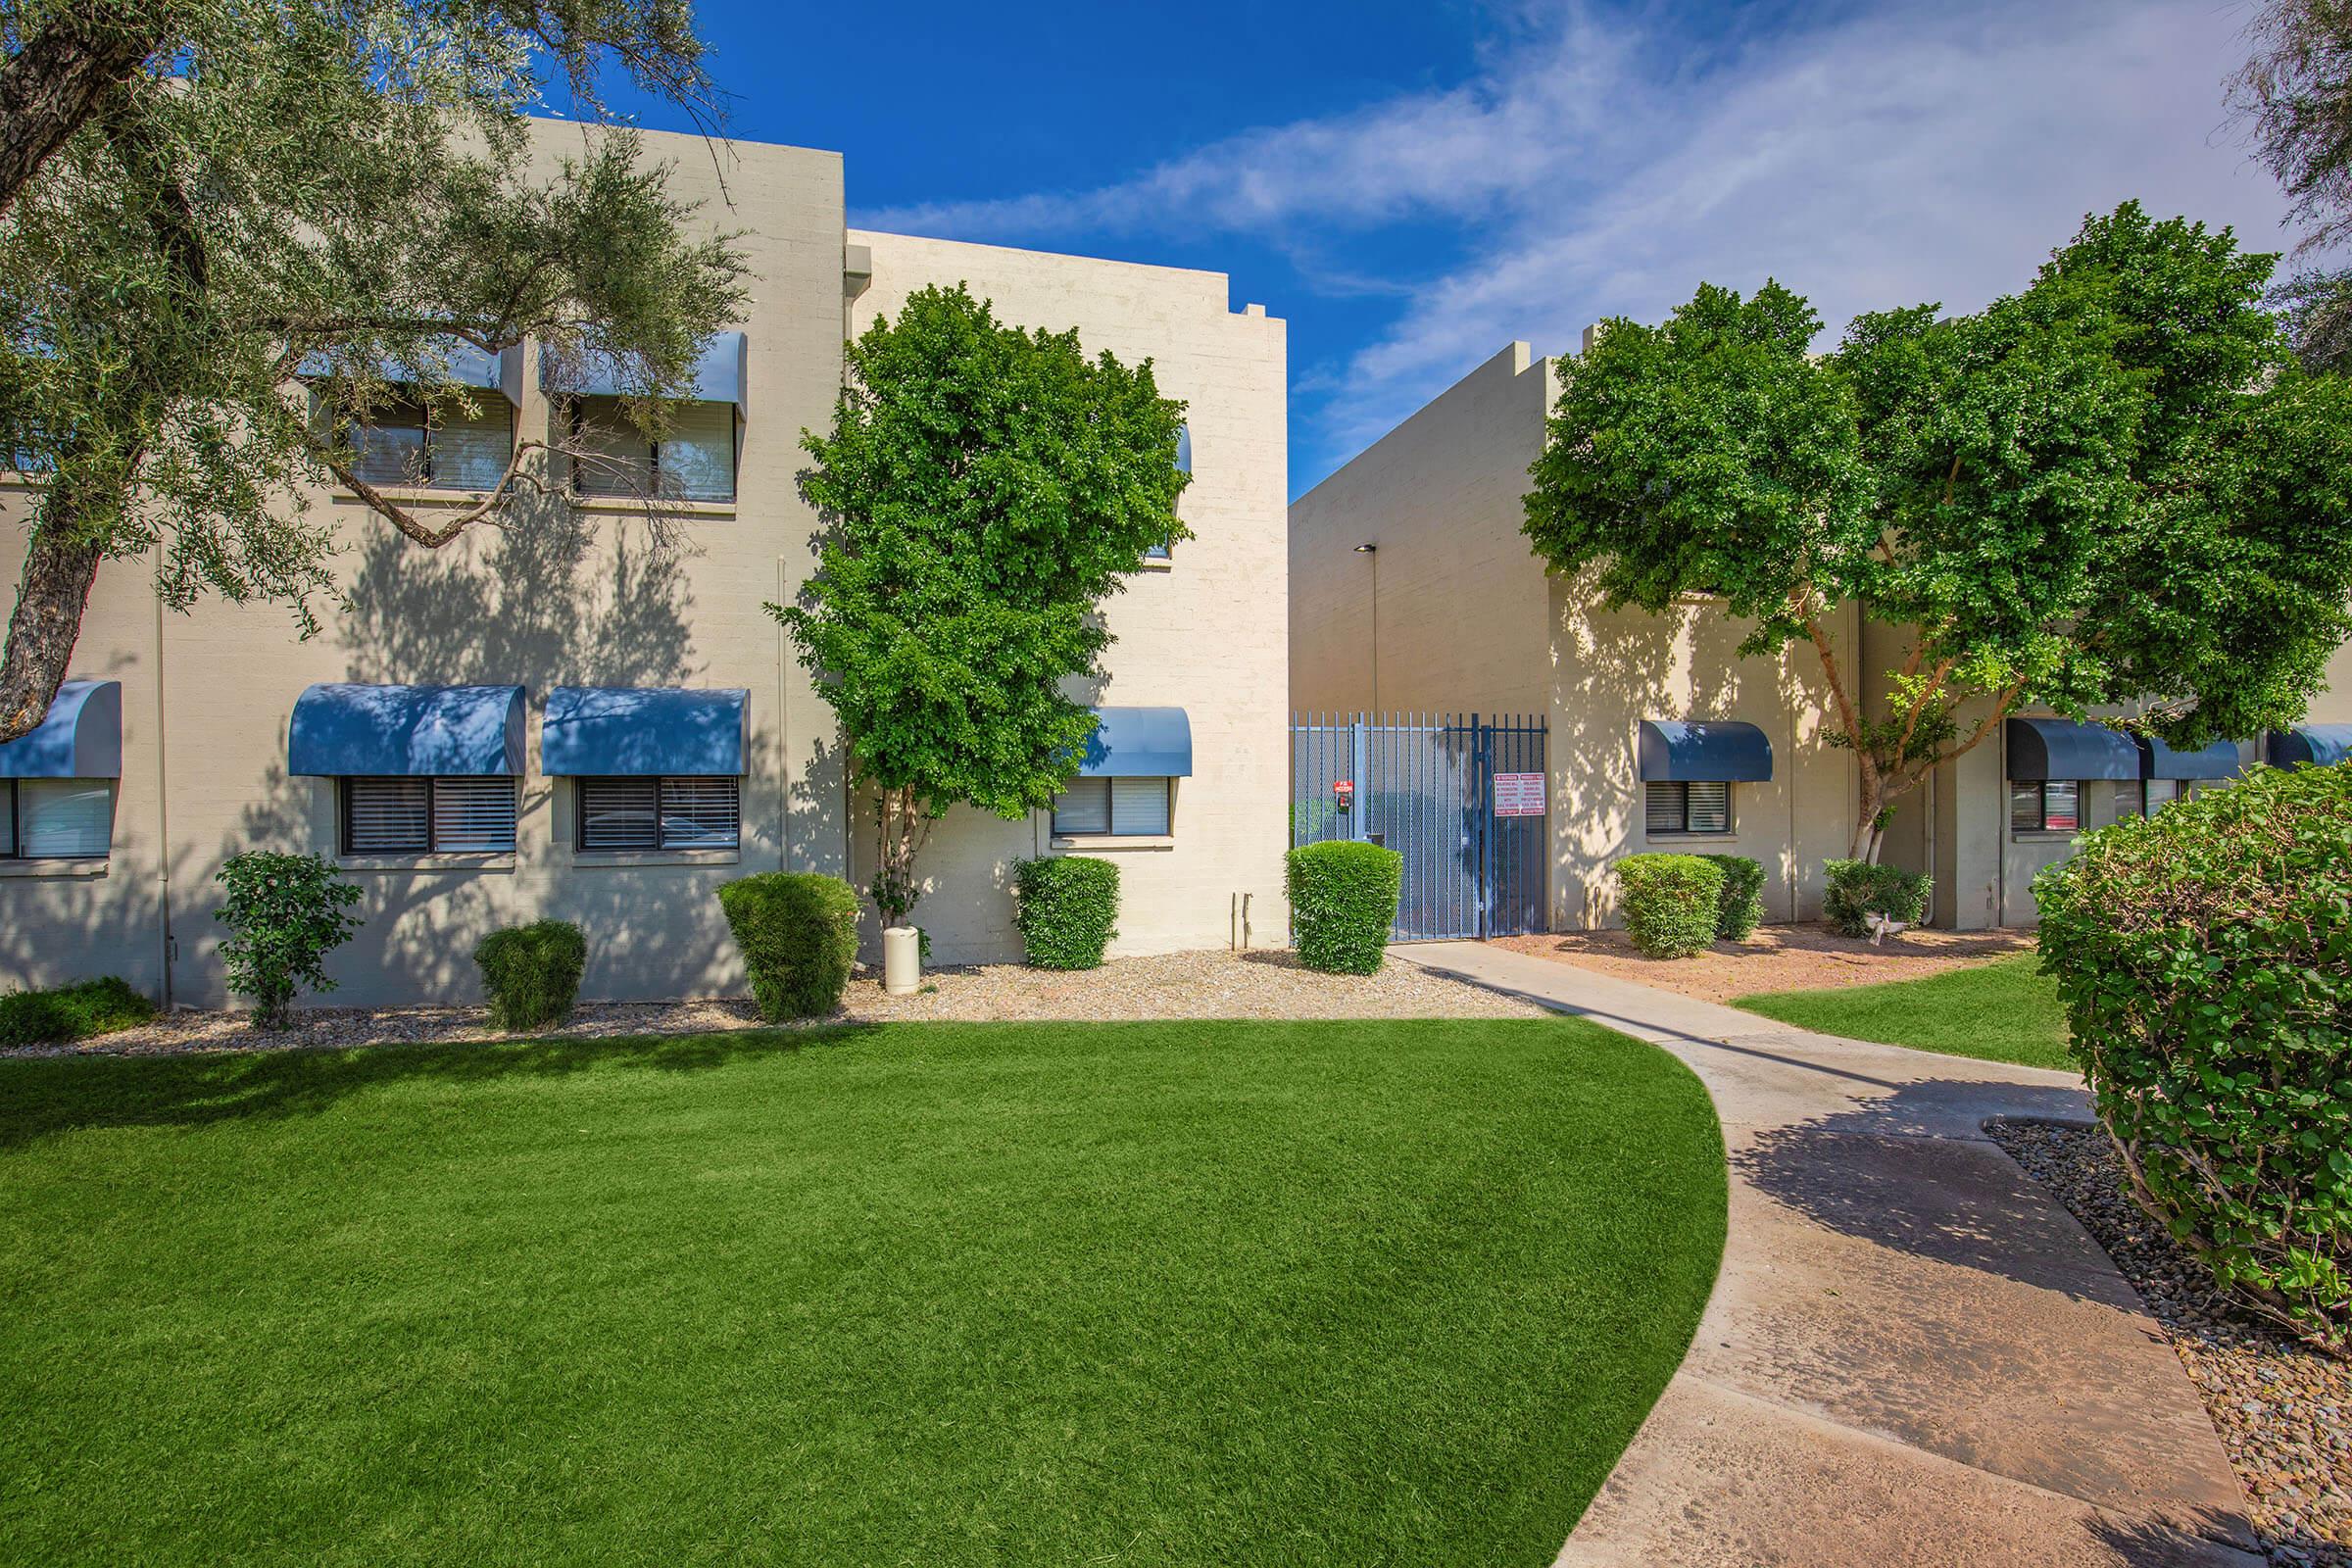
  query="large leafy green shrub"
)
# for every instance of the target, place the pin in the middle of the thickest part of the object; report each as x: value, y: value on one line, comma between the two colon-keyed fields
x: 532, y: 973
x: 1343, y: 904
x: 70, y: 1012
x: 1064, y: 905
x: 1860, y: 889
x: 798, y: 935
x: 2205, y: 959
x: 1743, y: 907
x: 1672, y: 902
x: 284, y: 913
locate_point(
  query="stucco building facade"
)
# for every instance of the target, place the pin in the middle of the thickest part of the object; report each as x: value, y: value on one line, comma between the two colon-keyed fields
x: 659, y: 734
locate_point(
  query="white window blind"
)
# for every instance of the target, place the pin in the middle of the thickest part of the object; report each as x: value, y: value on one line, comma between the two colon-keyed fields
x: 701, y: 814
x: 1710, y: 806
x: 387, y: 816
x: 389, y: 449
x: 1676, y: 805
x: 2025, y: 807
x: 64, y: 818
x: 619, y: 813
x: 697, y: 457
x: 1139, y: 807
x: 1083, y: 807
x: 473, y: 815
x: 616, y: 459
x: 469, y: 452
x: 2162, y: 792
x: 1662, y: 807
x: 661, y: 813
x: 2061, y: 806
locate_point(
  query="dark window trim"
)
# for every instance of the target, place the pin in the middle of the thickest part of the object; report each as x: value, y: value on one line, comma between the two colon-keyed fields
x: 12, y: 847
x: 572, y: 420
x: 1110, y: 812
x: 660, y: 846
x: 432, y: 783
x: 430, y: 426
x: 1681, y: 795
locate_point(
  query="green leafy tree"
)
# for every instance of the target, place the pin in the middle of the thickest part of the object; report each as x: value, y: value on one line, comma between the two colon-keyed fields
x: 2115, y: 487
x: 284, y: 913
x: 275, y: 221
x: 2292, y: 100
x: 985, y: 488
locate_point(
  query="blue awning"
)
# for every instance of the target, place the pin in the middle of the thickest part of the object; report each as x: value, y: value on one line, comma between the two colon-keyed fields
x: 2159, y: 760
x: 81, y: 736
x: 720, y: 376
x: 598, y: 731
x: 350, y: 730
x: 469, y: 366
x: 1139, y: 743
x: 2319, y: 744
x: 1710, y: 751
x: 2063, y: 748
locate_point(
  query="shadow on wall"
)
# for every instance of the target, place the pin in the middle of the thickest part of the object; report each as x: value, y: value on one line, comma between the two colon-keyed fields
x: 64, y: 929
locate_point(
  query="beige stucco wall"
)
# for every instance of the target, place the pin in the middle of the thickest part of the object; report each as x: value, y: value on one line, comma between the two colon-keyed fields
x: 596, y: 604
x: 1205, y: 632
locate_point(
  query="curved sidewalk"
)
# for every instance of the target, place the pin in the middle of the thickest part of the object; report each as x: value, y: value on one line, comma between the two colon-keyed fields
x: 1913, y: 1356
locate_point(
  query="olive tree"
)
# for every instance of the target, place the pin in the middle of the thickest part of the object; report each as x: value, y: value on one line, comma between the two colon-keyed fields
x: 2116, y: 486
x: 984, y: 489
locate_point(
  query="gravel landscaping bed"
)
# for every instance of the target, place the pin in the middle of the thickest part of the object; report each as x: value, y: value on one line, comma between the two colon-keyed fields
x: 2283, y: 1409
x: 1778, y: 958
x: 1175, y: 984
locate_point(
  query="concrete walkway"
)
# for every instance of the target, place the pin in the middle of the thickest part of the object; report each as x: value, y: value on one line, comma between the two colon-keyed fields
x: 1913, y: 1356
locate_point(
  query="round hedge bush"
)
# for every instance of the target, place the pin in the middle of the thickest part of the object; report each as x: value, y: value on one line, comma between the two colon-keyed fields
x: 1064, y: 905
x: 532, y: 973
x: 1741, y: 909
x: 1860, y: 889
x: 1343, y: 904
x: 1672, y: 902
x: 798, y: 935
x: 2204, y: 957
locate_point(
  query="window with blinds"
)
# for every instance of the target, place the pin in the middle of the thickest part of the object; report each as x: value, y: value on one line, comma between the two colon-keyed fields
x: 1695, y: 806
x: 429, y: 815
x: 389, y: 449
x: 1125, y: 808
x: 2045, y: 806
x: 694, y: 461
x: 452, y: 448
x: 660, y: 813
x: 58, y: 819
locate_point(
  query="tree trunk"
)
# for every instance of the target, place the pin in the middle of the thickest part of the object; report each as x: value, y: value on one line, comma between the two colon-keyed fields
x: 50, y: 87
x: 44, y: 626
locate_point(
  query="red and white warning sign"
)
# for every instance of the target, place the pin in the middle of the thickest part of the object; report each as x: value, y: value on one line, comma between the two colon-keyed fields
x: 1344, y: 792
x: 1518, y: 794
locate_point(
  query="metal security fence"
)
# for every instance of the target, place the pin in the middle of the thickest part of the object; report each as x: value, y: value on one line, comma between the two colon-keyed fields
x: 1461, y: 798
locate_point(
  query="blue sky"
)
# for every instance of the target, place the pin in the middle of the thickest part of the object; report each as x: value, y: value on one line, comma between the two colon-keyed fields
x: 1414, y: 185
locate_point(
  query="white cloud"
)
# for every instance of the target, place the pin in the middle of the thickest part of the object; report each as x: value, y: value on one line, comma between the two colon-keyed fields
x: 1606, y: 167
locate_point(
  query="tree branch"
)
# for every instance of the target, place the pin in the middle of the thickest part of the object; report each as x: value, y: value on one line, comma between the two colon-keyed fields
x: 51, y: 86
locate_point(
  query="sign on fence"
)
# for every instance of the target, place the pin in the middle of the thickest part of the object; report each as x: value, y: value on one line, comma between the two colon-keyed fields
x: 1518, y: 794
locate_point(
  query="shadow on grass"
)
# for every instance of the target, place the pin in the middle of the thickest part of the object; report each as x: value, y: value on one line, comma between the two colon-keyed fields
x: 43, y: 1096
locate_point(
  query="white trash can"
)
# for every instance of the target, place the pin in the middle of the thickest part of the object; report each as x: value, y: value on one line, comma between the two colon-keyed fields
x: 902, y: 961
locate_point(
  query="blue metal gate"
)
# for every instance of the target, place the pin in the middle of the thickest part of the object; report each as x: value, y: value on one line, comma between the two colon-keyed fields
x: 1461, y: 798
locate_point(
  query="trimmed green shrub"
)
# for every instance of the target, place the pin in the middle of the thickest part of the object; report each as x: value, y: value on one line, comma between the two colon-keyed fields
x: 1743, y: 907
x: 1859, y: 889
x: 2204, y: 957
x: 1343, y: 904
x: 798, y: 935
x: 1671, y: 903
x: 532, y: 973
x: 284, y: 913
x: 1064, y: 905
x: 72, y: 1013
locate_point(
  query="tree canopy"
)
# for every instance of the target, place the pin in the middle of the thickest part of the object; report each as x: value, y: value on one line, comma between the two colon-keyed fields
x: 2293, y: 99
x: 985, y: 488
x: 2116, y: 486
x: 269, y: 219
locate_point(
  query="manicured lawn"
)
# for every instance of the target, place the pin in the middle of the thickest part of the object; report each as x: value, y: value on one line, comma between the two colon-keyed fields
x: 1346, y: 1294
x: 1999, y: 1011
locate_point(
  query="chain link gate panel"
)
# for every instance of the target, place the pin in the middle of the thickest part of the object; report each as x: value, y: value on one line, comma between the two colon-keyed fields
x: 1461, y: 799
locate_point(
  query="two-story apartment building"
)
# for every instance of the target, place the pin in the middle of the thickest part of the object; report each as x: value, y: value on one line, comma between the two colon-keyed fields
x: 1412, y: 589
x: 567, y: 718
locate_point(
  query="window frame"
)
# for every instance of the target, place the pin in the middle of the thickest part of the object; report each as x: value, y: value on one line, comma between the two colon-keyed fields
x: 344, y: 847
x: 428, y: 426
x: 583, y: 783
x: 1681, y: 789
x: 2042, y: 791
x: 573, y: 414
x: 12, y: 848
x: 1110, y: 816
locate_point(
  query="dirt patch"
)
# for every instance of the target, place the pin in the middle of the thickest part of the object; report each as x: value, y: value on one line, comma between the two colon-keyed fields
x: 1779, y: 957
x: 1171, y: 985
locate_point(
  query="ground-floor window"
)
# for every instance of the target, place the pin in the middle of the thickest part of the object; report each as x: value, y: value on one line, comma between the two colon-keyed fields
x: 57, y: 818
x: 1121, y: 808
x: 413, y: 816
x: 661, y: 813
x: 1686, y: 806
x: 2074, y: 805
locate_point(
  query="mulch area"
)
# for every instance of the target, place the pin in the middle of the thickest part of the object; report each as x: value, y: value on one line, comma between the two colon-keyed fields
x: 2282, y: 1408
x: 1808, y: 956
x: 1173, y: 985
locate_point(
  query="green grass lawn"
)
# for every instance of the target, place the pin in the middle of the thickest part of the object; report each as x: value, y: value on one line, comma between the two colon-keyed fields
x: 1999, y: 1011
x: 1214, y: 1293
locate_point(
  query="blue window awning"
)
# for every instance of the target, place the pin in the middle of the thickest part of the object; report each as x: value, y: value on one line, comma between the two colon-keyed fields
x: 2218, y: 760
x: 349, y: 730
x: 2063, y: 748
x: 720, y: 376
x: 81, y: 736
x: 1139, y: 743
x: 635, y: 731
x: 2318, y: 745
x: 1709, y: 751
x: 469, y: 366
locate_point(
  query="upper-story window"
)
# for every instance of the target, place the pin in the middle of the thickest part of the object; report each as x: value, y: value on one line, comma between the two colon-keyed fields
x: 1184, y: 464
x: 694, y: 459
x: 405, y: 442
